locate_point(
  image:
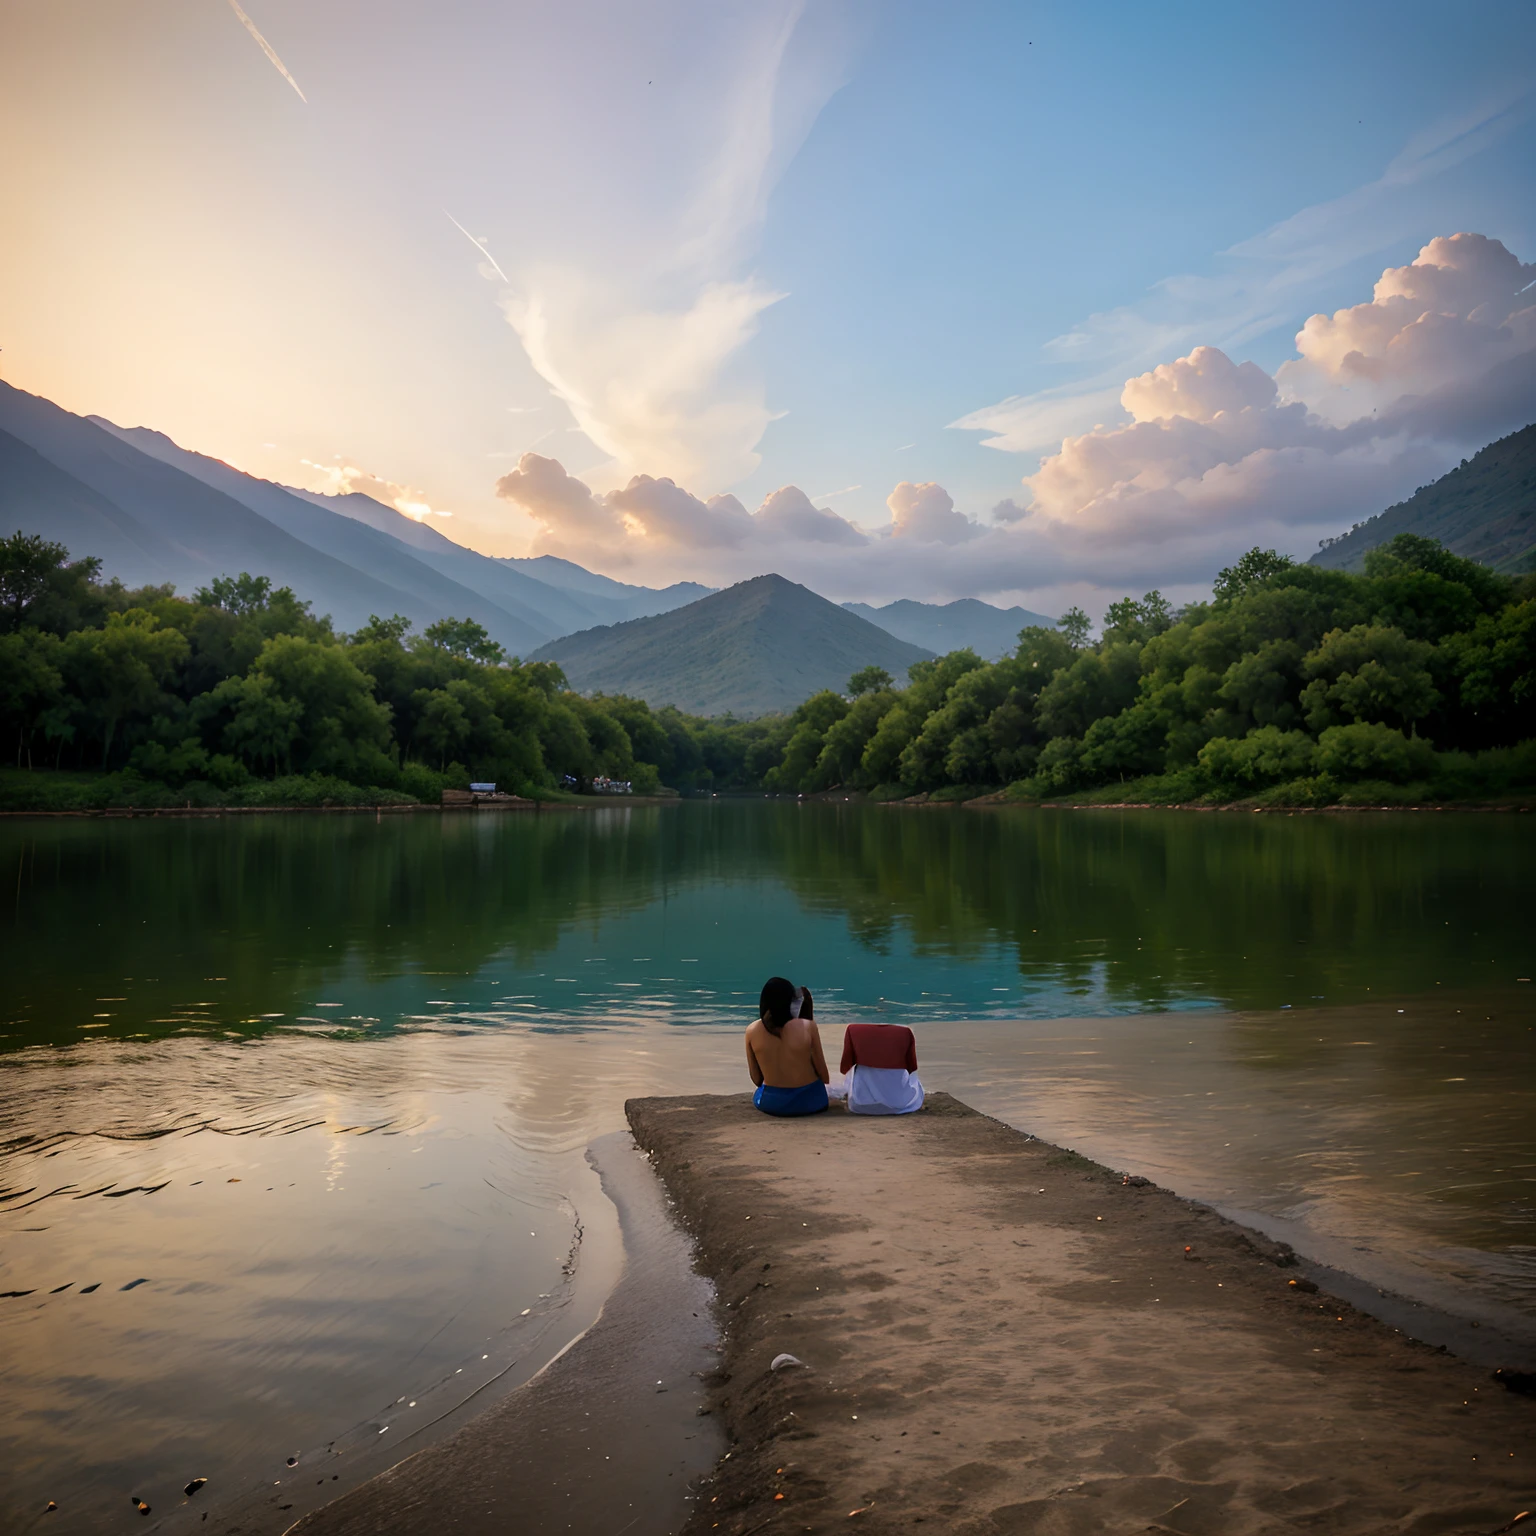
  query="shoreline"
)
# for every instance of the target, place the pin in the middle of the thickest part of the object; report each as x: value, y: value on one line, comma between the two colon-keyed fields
x: 127, y: 812
x: 1019, y: 1340
x: 613, y: 1427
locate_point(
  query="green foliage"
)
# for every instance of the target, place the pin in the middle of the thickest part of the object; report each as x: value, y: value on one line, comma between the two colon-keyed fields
x: 1367, y: 673
x: 242, y: 694
x: 1076, y: 626
x: 1373, y: 752
x: 41, y: 588
x: 1255, y: 568
x: 1297, y: 686
x: 1232, y: 699
x: 461, y: 637
x: 868, y: 680
x: 1265, y: 756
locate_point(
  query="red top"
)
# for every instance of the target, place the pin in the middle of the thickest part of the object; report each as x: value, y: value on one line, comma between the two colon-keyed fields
x: 879, y: 1045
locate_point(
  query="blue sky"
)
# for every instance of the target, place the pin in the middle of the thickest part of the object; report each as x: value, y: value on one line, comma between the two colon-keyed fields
x: 751, y: 247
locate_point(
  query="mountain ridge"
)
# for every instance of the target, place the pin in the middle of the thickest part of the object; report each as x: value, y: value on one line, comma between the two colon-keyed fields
x: 1484, y: 509
x: 760, y: 647
x: 990, y: 631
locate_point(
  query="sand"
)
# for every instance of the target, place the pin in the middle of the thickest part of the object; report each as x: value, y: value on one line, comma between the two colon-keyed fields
x: 1002, y: 1338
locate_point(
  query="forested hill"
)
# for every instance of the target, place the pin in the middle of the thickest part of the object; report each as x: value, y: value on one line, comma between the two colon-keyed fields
x: 757, y: 648
x: 1485, y: 509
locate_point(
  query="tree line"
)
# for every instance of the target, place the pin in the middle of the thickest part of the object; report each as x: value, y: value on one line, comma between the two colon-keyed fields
x: 241, y: 694
x: 1292, y: 680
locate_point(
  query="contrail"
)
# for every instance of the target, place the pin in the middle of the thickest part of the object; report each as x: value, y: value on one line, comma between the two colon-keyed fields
x: 478, y: 245
x: 268, y: 49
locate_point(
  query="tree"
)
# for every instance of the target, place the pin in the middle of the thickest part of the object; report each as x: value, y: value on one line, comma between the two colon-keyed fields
x: 40, y: 586
x: 1373, y: 751
x: 868, y: 680
x: 1265, y: 756
x: 1495, y: 666
x: 27, y: 565
x: 812, y: 720
x: 31, y: 685
x: 441, y: 723
x: 1370, y: 673
x: 1134, y: 623
x: 121, y: 668
x: 1257, y: 566
x: 237, y: 594
x: 386, y: 631
x: 341, y: 727
x: 1076, y: 626
x: 262, y: 724
x: 464, y: 637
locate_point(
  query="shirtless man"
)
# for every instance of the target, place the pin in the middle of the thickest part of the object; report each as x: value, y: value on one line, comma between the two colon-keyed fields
x: 784, y: 1054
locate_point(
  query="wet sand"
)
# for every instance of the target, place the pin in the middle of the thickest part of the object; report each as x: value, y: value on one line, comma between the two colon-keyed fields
x: 1002, y: 1338
x: 607, y: 1438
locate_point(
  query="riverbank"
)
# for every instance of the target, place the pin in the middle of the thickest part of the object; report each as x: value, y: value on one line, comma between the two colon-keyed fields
x: 609, y: 1436
x: 1001, y: 1337
x: 185, y: 812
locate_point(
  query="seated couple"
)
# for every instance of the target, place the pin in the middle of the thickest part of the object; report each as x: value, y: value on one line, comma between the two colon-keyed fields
x: 785, y: 1059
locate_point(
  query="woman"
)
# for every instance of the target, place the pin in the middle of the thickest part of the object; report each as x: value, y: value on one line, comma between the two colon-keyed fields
x: 784, y: 1052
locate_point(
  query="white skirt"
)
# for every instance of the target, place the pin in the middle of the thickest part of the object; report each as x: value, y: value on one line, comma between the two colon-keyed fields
x: 883, y: 1091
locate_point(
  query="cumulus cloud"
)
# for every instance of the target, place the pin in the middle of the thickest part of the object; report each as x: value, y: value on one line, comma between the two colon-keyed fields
x: 926, y: 514
x: 1219, y: 455
x: 652, y: 517
x: 787, y: 513
x: 1210, y: 456
x: 340, y: 479
x: 1445, y: 319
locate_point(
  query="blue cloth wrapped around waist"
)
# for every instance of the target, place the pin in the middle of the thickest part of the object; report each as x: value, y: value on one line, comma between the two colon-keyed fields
x: 807, y: 1100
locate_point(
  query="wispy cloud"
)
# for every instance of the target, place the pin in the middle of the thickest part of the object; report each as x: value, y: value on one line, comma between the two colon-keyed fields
x: 266, y: 48
x: 642, y: 335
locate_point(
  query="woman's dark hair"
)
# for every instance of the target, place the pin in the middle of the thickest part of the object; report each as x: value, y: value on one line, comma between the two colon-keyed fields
x: 805, y: 1004
x: 774, y: 1003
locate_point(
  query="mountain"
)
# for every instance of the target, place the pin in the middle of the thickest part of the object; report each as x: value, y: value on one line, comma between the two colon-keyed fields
x: 177, y: 528
x: 36, y: 496
x: 559, y: 595
x: 546, y: 608
x: 364, y: 548
x: 758, y: 648
x: 1485, y: 509
x: 612, y: 601
x: 157, y: 513
x: 989, y: 631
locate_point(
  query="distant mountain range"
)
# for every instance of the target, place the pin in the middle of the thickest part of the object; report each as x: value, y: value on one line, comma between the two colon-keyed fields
x: 1485, y: 509
x: 758, y: 648
x: 941, y: 627
x: 157, y: 513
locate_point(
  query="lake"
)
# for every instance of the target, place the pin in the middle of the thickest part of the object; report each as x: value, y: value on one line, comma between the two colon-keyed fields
x: 292, y: 1152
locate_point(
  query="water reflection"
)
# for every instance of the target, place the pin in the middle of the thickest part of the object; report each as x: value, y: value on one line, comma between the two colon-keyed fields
x: 149, y: 929
x: 296, y: 1106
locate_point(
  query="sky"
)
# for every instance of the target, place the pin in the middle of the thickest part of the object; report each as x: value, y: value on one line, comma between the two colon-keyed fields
x: 1039, y: 303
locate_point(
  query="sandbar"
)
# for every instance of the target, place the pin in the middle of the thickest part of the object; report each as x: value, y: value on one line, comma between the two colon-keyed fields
x: 1001, y: 1337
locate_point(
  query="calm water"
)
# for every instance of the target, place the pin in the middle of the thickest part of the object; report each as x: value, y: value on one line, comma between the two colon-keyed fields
x: 291, y: 1156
